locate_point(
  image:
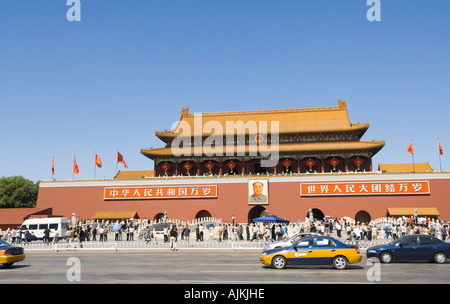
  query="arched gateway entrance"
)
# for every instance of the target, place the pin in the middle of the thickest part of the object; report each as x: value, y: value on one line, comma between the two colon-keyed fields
x: 255, y: 212
x: 362, y: 217
x: 202, y: 214
x: 316, y: 213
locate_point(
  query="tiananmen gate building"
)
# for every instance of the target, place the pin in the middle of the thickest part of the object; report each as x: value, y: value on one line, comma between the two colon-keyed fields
x: 240, y: 164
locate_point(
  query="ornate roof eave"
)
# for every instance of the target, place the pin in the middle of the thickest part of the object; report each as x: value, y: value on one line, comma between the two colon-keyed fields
x: 373, y: 146
x: 168, y: 136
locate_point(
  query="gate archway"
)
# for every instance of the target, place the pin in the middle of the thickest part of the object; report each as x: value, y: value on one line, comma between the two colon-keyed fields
x: 362, y: 217
x: 202, y: 213
x: 255, y: 212
x: 317, y: 214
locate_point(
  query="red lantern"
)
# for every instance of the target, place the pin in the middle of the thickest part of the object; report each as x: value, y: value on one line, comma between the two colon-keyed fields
x: 334, y: 162
x: 165, y: 167
x: 188, y: 166
x: 286, y: 163
x: 310, y: 163
x: 231, y: 165
x: 209, y: 165
x: 358, y: 162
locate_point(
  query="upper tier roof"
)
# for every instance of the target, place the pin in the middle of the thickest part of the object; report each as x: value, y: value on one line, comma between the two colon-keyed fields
x: 326, y: 119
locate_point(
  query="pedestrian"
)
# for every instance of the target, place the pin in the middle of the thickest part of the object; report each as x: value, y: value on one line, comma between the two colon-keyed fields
x: 443, y: 233
x: 225, y: 232
x: 173, y: 238
x: 116, y: 235
x: 46, y: 235
x: 197, y: 233
x: 19, y: 239
x: 101, y: 232
x: 27, y: 236
x: 166, y: 234
x: 338, y: 229
x: 56, y: 237
x: 127, y: 230
x: 357, y: 233
x: 201, y: 232
x: 80, y: 236
x: 105, y: 233
x: 186, y: 233
x: 211, y: 232
x: 131, y: 231
x: 348, y: 229
x: 374, y: 233
x: 147, y: 235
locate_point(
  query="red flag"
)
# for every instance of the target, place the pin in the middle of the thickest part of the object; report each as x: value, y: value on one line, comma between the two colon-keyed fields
x: 410, y: 149
x: 120, y: 160
x: 98, y: 161
x: 75, y: 166
x: 441, y: 151
x: 53, y: 165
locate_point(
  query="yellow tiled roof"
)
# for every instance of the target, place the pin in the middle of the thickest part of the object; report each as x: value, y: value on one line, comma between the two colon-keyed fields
x: 111, y: 215
x: 290, y: 120
x: 410, y: 211
x: 134, y: 174
x: 420, y: 167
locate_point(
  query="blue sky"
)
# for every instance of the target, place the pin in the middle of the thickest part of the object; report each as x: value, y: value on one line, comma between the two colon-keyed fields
x: 107, y: 83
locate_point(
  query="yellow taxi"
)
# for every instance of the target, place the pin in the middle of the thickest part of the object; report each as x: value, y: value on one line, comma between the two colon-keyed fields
x: 316, y: 250
x: 10, y: 254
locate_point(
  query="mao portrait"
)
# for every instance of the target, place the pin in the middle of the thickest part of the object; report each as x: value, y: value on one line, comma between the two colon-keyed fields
x: 258, y: 191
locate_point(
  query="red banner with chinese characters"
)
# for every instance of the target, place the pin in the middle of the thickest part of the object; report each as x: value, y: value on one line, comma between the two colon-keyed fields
x: 160, y: 192
x: 365, y: 188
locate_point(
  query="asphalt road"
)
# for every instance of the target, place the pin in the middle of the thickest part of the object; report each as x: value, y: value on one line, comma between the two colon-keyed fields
x: 203, y: 267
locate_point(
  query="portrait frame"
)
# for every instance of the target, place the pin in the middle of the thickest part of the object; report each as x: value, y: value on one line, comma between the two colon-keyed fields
x: 253, y: 198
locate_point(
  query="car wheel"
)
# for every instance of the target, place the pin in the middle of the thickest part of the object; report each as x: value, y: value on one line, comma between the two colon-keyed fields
x: 385, y: 257
x: 440, y: 258
x: 7, y: 265
x: 279, y: 262
x: 340, y: 262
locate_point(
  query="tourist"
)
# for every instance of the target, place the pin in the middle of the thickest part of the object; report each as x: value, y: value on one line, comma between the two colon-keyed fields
x: 186, y: 233
x: 338, y: 229
x: 173, y: 238
x: 166, y: 234
x: 374, y: 233
x: 101, y: 232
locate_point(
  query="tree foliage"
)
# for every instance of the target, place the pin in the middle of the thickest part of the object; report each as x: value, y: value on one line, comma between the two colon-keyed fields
x: 18, y: 192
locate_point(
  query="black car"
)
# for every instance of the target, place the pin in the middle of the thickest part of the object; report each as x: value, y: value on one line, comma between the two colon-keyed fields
x: 413, y: 247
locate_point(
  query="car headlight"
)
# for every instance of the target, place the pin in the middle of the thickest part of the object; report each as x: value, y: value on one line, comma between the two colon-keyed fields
x: 264, y: 254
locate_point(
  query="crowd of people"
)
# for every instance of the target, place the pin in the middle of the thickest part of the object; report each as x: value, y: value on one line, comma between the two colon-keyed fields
x: 132, y: 229
x: 387, y: 228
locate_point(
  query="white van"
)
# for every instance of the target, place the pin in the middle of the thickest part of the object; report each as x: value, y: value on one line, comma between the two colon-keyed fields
x: 36, y: 226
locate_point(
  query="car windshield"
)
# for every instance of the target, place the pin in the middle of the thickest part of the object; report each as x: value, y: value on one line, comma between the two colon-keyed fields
x: 397, y: 241
x: 3, y: 243
x: 406, y: 240
x: 297, y: 238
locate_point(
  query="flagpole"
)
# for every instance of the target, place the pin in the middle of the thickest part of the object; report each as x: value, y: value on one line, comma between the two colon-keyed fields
x: 95, y: 165
x: 117, y: 163
x: 439, y: 151
x: 53, y: 165
x: 412, y: 154
x: 73, y: 172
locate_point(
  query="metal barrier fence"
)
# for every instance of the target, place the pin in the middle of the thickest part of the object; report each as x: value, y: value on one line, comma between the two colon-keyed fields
x: 141, y: 245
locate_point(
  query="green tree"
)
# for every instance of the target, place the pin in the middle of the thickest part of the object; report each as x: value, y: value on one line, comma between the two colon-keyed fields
x: 18, y: 192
